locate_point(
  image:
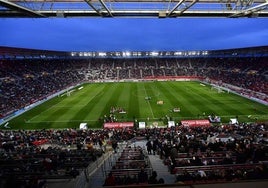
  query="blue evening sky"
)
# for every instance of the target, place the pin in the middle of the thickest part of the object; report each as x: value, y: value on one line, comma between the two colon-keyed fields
x: 133, y: 34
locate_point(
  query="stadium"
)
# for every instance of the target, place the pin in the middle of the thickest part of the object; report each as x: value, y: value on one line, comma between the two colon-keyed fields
x: 143, y: 91
x: 92, y: 119
x: 149, y: 87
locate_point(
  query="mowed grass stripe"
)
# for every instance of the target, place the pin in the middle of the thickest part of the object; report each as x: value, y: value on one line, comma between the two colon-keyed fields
x: 155, y: 95
x: 223, y: 103
x: 95, y: 100
x: 149, y: 93
x: 249, y: 107
x: 52, y: 113
x: 217, y: 101
x: 165, y: 96
x: 64, y: 110
x: 110, y: 98
x: 202, y: 103
x: 145, y: 108
x: 102, y: 105
x: 226, y: 105
x: 179, y: 92
x: 81, y: 114
x: 123, y: 100
x: 54, y: 110
x: 133, y: 101
x: 36, y: 112
x: 206, y: 103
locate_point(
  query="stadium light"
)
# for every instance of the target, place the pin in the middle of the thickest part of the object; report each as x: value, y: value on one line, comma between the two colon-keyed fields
x: 204, y: 52
x: 178, y: 53
x: 136, y: 54
x: 126, y: 54
x: 102, y: 54
x: 154, y: 53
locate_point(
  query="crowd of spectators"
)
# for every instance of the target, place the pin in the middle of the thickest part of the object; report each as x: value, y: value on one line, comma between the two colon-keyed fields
x: 30, y: 157
x: 23, y: 82
x: 22, y: 154
x: 132, y: 167
x: 248, y: 73
x: 221, y: 153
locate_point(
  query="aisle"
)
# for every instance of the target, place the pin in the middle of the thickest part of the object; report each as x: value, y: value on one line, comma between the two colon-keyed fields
x: 98, y: 178
x: 161, y: 169
x: 158, y: 165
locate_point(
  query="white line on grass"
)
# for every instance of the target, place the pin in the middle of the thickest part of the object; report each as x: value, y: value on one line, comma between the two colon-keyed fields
x: 58, y: 106
x: 148, y: 101
x: 41, y: 113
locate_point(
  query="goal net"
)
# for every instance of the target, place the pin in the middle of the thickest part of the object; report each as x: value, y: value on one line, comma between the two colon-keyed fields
x: 218, y: 89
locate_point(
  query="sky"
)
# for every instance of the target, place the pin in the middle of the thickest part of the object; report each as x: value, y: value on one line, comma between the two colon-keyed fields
x: 133, y: 34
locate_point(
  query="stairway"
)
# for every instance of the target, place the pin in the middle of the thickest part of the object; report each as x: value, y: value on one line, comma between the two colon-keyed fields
x: 98, y: 178
x: 158, y: 166
x: 161, y: 169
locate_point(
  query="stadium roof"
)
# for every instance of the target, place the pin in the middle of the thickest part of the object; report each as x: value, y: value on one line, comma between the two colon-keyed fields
x: 134, y: 8
x: 22, y: 53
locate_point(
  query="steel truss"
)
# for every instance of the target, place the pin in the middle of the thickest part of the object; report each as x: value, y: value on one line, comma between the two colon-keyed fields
x: 134, y: 8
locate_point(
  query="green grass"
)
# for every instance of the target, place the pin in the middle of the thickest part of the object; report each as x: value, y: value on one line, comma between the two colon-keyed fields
x: 95, y: 100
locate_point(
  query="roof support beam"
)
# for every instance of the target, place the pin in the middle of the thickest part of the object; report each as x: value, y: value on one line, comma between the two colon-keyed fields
x: 183, y: 10
x: 92, y: 6
x: 19, y: 8
x: 176, y: 6
x: 106, y: 8
x: 250, y: 10
x: 187, y: 7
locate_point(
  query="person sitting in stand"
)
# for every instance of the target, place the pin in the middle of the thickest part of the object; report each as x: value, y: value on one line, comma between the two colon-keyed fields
x: 110, y: 180
x: 142, y: 176
x: 153, y: 178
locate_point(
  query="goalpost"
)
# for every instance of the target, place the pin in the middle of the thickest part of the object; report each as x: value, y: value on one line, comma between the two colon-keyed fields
x: 68, y: 93
x: 219, y: 89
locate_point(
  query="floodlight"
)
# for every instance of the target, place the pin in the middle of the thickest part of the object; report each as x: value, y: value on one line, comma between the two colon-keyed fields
x: 205, y: 53
x: 102, y: 54
x: 154, y: 53
x: 126, y: 54
x: 178, y: 53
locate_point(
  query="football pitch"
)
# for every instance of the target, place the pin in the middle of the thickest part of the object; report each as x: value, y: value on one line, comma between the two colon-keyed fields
x: 138, y: 102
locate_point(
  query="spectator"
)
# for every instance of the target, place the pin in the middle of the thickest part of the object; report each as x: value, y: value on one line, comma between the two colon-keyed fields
x: 153, y: 178
x: 110, y: 180
x: 149, y: 146
x: 142, y: 176
x: 114, y: 146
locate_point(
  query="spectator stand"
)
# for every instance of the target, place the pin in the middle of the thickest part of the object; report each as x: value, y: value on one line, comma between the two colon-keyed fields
x: 125, y: 170
x: 220, y: 173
